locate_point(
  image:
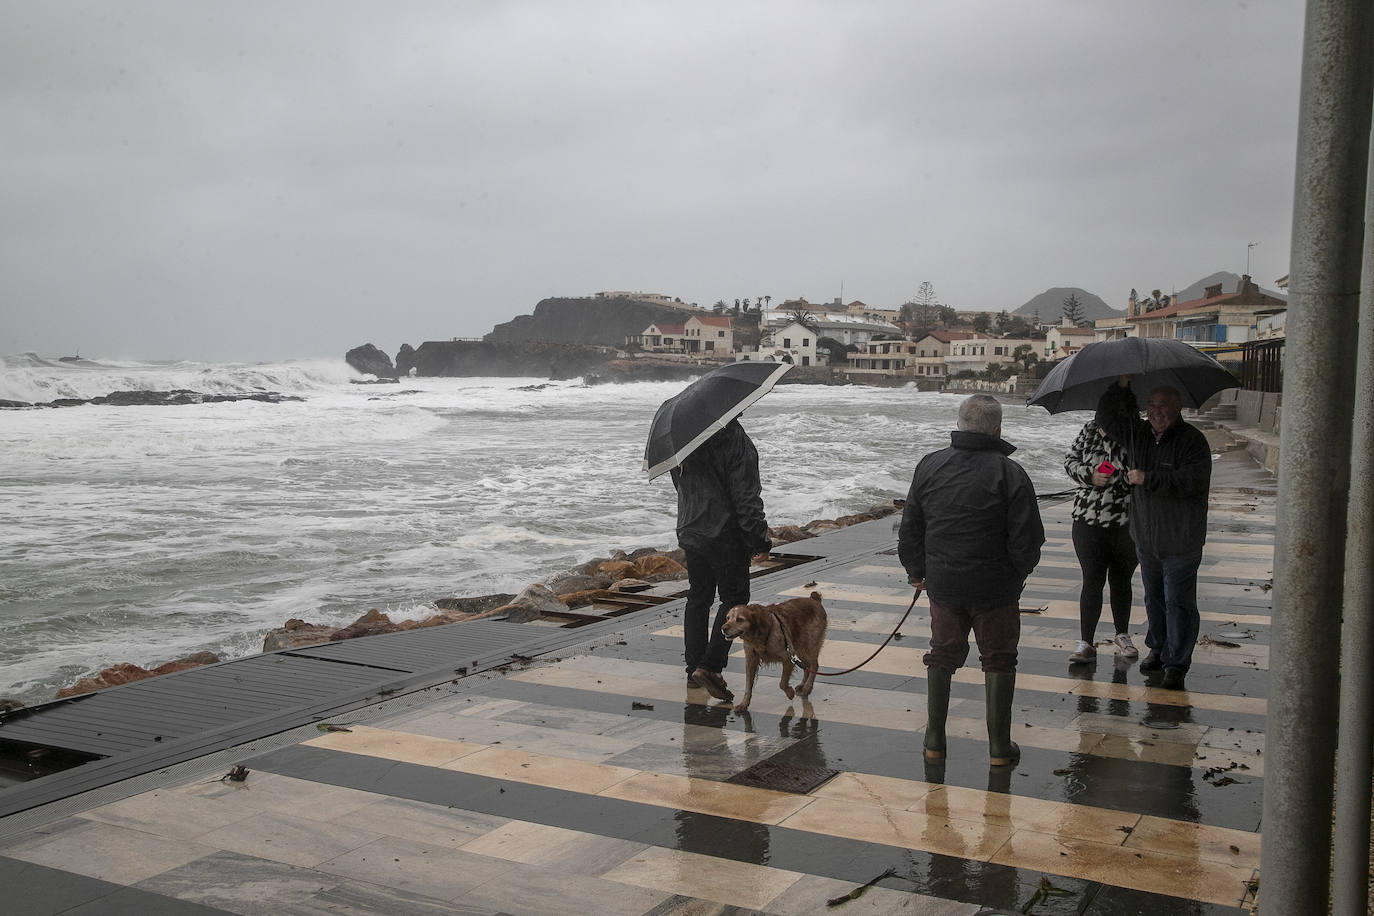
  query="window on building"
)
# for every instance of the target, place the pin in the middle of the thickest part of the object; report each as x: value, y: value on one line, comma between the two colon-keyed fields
x: 787, y: 343
x: 710, y: 344
x: 806, y: 342
x: 720, y: 333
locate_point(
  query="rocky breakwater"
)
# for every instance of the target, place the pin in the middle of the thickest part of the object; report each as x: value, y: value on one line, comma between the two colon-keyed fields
x: 503, y: 359
x: 620, y: 573
x: 157, y: 399
x: 369, y: 360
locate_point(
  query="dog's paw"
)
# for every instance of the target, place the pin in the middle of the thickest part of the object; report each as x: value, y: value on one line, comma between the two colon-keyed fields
x: 741, y: 707
x: 790, y: 692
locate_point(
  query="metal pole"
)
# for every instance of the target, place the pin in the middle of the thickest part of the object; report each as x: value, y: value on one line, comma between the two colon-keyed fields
x: 1355, y: 752
x: 1314, y: 455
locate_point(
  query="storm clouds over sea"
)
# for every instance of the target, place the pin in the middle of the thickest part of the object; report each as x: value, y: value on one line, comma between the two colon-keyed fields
x: 144, y: 533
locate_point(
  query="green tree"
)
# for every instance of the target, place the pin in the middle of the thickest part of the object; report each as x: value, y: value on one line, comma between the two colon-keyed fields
x: 1073, y: 310
x: 801, y: 316
x: 1025, y: 357
x: 981, y: 322
x: 1153, y: 302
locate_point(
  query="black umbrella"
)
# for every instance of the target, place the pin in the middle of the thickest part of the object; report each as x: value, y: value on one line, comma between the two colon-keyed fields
x: 1078, y: 382
x: 699, y: 411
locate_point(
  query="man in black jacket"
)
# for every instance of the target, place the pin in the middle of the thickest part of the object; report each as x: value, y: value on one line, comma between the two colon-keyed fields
x: 720, y: 526
x: 1170, y: 475
x: 970, y: 535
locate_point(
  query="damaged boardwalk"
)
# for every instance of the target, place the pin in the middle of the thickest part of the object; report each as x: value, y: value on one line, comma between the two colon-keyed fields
x: 586, y: 778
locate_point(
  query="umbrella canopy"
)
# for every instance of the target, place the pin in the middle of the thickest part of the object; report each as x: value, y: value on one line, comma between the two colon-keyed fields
x: 1078, y: 382
x: 699, y: 411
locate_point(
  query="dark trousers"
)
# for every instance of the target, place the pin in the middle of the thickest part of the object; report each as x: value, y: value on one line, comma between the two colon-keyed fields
x: 1171, y: 606
x: 720, y: 567
x: 1107, y: 556
x: 997, y: 629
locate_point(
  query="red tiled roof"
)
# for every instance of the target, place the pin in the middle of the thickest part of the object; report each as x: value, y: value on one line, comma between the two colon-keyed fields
x: 947, y: 336
x: 716, y: 321
x: 669, y: 328
x: 1188, y: 306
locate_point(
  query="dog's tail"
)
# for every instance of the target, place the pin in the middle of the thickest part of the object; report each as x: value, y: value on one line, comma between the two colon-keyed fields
x: 815, y: 596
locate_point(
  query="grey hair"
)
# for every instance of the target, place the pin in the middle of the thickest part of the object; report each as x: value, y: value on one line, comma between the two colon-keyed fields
x: 981, y: 413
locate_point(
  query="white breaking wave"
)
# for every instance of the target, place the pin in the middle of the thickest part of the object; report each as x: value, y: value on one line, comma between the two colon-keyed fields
x: 35, y: 379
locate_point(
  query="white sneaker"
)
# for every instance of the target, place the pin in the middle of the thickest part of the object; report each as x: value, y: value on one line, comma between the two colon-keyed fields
x: 1125, y: 646
x: 1084, y: 653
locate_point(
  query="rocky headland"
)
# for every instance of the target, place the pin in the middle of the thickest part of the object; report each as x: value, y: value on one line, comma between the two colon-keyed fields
x: 157, y: 399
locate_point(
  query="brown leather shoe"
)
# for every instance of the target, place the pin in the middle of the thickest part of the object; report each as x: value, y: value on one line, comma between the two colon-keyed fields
x: 713, y: 682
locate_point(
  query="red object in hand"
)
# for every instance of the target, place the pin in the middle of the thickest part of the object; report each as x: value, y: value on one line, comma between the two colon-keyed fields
x: 1107, y: 468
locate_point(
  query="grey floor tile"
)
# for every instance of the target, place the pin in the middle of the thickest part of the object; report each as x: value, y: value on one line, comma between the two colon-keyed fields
x: 810, y: 894
x: 289, y: 839
x: 529, y: 890
x: 111, y: 853
x: 30, y: 889
x: 241, y: 884
x: 128, y: 901
x: 425, y: 823
x: 417, y: 868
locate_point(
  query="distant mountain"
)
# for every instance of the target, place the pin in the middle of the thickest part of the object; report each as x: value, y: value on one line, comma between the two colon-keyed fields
x: 1050, y: 305
x: 1229, y: 284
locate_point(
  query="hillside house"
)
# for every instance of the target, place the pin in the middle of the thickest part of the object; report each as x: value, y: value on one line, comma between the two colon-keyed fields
x: 709, y: 335
x: 1216, y: 318
x: 793, y: 343
x: 660, y: 338
x: 978, y: 351
x: 931, y: 351
x: 1063, y: 340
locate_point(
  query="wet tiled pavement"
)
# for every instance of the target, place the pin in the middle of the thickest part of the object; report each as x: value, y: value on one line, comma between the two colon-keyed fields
x: 593, y: 781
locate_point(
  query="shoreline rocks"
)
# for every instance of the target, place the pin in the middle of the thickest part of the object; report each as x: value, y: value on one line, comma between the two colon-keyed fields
x: 157, y: 399
x: 126, y: 672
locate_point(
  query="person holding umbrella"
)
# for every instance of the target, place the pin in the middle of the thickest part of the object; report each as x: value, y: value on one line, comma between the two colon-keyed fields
x: 696, y: 435
x: 1101, y: 538
x: 1170, y: 476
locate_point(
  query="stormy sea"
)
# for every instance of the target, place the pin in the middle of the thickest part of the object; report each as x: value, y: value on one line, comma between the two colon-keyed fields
x: 144, y: 533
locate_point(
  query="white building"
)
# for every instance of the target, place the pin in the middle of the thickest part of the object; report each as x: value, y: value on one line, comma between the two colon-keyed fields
x: 793, y: 343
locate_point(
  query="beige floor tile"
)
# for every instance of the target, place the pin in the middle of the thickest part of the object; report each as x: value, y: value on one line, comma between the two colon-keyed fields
x: 1147, y: 749
x: 867, y: 789
x: 1213, y: 844
x: 809, y: 895
x: 874, y: 824
x: 436, y: 825
x: 417, y: 867
x: 395, y: 745
x: 171, y: 814
x: 1021, y: 813
x: 529, y: 890
x: 705, y: 796
x: 554, y: 847
x: 541, y: 769
x: 1189, y: 733
x: 111, y: 853
x: 269, y: 792
x: 1117, y: 865
x: 710, y: 878
x: 288, y: 838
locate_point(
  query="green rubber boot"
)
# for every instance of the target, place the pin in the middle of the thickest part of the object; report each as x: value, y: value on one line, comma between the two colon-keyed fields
x: 999, y: 688
x: 937, y: 710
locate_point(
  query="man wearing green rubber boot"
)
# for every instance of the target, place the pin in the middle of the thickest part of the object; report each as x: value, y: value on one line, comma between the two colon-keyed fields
x: 970, y: 535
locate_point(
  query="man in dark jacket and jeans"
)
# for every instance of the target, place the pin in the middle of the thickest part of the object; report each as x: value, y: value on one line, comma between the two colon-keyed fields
x: 720, y: 526
x: 1170, y: 475
x: 970, y: 535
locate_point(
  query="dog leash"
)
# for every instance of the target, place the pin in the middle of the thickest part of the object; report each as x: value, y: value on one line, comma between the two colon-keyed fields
x: 791, y: 654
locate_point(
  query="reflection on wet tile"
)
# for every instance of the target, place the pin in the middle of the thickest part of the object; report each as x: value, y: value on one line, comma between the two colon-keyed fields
x: 1189, y: 733
x: 1147, y: 749
x: 704, y: 764
x: 1019, y: 812
x: 1116, y: 865
x: 708, y: 797
x: 540, y: 769
x: 111, y: 853
x: 706, y: 877
x: 809, y: 895
x: 417, y: 867
x: 395, y: 745
x: 554, y: 847
x: 873, y: 824
x: 866, y: 789
x: 1214, y: 844
x: 437, y: 825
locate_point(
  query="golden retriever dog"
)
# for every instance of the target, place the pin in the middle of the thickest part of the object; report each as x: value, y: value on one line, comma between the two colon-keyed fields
x: 761, y: 628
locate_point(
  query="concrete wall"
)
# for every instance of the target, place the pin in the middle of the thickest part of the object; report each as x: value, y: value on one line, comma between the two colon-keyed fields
x: 1259, y: 409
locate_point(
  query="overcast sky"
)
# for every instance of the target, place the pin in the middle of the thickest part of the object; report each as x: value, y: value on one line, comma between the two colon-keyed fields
x: 269, y: 180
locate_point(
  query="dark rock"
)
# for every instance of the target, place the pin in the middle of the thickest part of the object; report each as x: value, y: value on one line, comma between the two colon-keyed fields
x: 169, y: 398
x: 374, y: 381
x: 542, y: 359
x: 128, y: 672
x: 9, y: 704
x: 373, y: 623
x: 474, y: 605
x: 4, y: 402
x: 569, y: 582
x: 368, y: 360
x: 297, y: 633
x: 603, y: 322
x: 531, y: 604
x: 405, y: 360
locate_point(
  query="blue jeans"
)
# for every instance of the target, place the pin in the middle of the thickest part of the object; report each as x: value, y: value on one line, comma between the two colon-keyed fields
x: 723, y: 567
x: 1171, y: 606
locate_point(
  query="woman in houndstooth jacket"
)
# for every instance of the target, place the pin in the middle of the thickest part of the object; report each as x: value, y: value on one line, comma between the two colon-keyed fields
x: 1101, y: 538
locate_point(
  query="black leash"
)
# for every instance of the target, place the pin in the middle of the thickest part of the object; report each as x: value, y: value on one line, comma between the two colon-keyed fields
x: 791, y: 654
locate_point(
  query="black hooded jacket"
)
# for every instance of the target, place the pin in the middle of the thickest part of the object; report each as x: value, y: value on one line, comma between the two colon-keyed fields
x: 1168, y: 513
x: 718, y: 494
x: 971, y: 527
